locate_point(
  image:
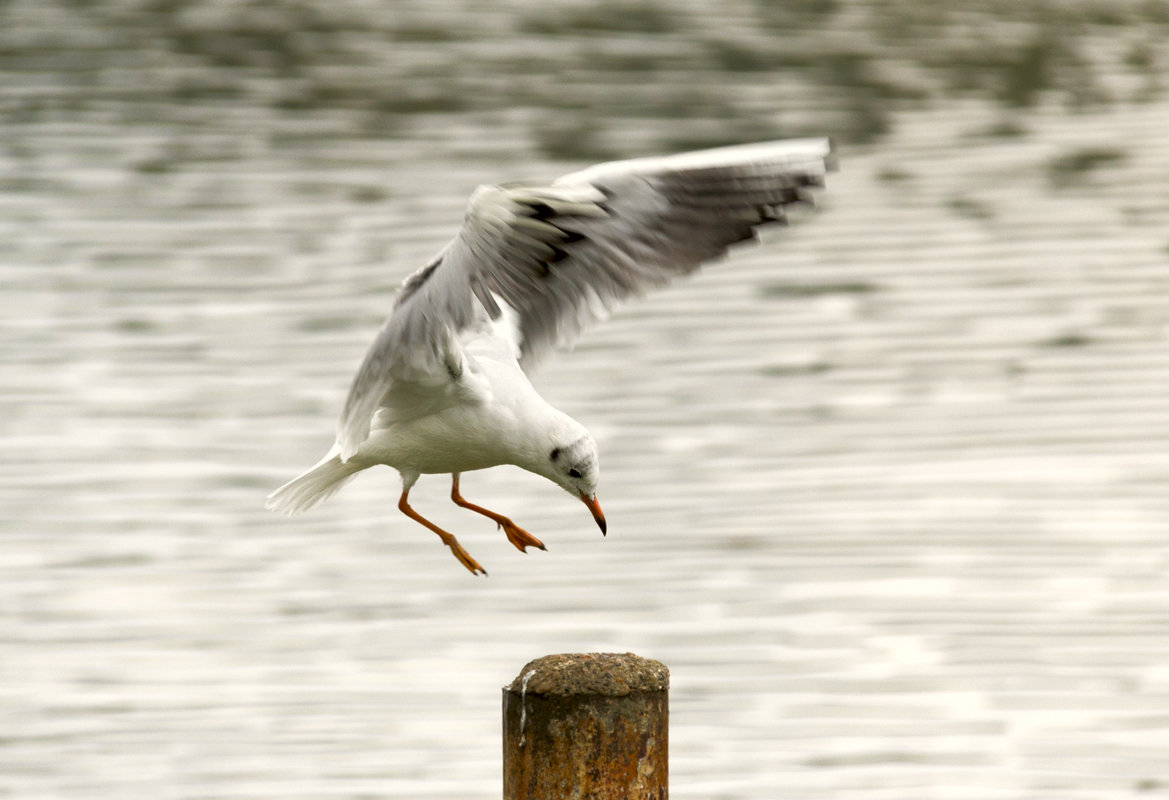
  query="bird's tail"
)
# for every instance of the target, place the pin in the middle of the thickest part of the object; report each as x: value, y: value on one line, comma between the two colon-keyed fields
x: 315, y: 486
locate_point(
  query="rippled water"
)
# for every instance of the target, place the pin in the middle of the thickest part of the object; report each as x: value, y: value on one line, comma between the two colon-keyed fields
x: 887, y: 493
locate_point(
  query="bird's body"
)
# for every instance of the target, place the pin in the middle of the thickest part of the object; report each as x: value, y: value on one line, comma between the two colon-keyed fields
x: 491, y: 425
x: 444, y: 387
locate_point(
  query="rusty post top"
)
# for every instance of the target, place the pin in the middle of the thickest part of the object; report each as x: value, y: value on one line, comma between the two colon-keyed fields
x: 605, y: 674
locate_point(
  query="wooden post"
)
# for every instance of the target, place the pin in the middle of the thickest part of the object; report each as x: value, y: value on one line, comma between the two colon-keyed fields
x: 590, y: 726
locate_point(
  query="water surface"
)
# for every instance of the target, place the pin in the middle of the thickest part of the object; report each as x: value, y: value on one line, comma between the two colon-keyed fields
x: 887, y: 492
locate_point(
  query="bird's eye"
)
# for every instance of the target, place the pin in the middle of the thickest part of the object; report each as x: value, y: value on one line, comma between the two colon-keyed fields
x: 574, y: 473
x: 555, y: 454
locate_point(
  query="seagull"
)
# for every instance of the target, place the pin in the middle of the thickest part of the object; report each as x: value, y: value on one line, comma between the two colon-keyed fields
x: 444, y: 388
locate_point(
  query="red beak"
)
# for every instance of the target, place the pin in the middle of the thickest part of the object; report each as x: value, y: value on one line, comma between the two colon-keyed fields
x: 595, y: 510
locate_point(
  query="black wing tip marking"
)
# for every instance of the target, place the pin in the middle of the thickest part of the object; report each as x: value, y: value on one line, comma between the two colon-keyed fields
x: 536, y: 209
x: 564, y: 238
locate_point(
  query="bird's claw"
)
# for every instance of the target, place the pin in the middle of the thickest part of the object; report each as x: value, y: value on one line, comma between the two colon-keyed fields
x: 520, y: 538
x: 464, y: 557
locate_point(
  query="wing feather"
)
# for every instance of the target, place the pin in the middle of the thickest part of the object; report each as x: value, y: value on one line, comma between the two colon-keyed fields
x: 561, y: 255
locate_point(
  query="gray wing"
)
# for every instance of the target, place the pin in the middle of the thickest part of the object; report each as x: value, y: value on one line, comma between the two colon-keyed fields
x: 561, y: 255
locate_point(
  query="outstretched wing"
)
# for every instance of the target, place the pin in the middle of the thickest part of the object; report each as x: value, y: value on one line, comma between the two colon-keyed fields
x: 561, y: 255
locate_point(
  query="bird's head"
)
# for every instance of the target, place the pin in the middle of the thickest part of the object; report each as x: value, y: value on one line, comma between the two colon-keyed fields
x: 570, y: 461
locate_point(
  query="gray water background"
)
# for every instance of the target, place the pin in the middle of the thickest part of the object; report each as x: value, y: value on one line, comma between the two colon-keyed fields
x: 887, y: 493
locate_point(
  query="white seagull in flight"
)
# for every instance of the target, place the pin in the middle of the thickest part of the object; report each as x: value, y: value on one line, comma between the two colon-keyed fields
x: 444, y: 387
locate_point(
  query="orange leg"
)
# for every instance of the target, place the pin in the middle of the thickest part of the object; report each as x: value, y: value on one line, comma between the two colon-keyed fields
x: 448, y: 539
x: 515, y: 534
